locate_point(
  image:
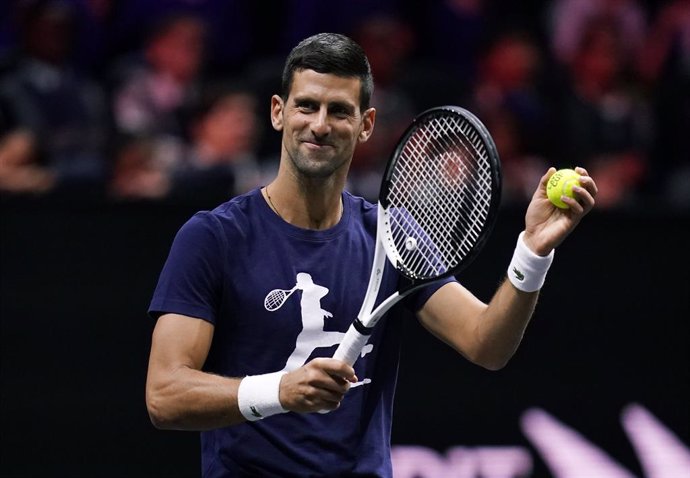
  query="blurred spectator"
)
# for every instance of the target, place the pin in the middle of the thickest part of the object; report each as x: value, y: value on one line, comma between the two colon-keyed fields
x: 19, y: 170
x: 231, y: 27
x: 665, y: 66
x: 570, y: 19
x: 136, y: 175
x: 507, y: 98
x: 91, y: 32
x: 221, y: 160
x: 217, y: 162
x: 388, y: 42
x: 667, y: 47
x: 605, y: 125
x: 151, y: 97
x: 44, y: 95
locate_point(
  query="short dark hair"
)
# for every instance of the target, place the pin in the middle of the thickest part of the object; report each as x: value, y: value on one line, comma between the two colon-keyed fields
x: 334, y: 54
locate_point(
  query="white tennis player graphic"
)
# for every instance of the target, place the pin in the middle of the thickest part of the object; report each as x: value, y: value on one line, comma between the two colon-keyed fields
x: 314, y: 317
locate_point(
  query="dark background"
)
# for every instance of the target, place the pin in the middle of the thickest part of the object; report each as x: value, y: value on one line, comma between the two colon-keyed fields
x: 611, y: 329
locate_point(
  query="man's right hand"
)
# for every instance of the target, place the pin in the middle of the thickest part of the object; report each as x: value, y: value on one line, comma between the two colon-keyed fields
x: 318, y: 385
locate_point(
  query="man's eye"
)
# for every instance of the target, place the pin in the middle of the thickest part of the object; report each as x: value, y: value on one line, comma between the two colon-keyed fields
x: 306, y: 107
x: 340, y: 112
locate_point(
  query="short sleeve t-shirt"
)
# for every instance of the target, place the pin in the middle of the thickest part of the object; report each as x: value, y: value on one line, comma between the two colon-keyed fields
x: 222, y: 266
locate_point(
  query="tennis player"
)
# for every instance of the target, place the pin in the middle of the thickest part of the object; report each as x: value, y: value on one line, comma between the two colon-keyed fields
x: 256, y: 294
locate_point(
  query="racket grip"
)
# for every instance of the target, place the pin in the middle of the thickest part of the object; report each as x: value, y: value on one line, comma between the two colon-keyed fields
x: 349, y: 349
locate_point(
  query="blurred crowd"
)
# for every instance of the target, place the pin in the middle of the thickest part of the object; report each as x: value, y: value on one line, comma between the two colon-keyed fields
x: 147, y: 100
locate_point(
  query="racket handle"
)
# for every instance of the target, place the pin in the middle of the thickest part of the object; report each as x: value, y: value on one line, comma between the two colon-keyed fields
x: 349, y: 349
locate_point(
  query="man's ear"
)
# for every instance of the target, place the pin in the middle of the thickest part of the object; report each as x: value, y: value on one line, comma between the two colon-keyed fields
x: 277, y: 106
x: 368, y: 120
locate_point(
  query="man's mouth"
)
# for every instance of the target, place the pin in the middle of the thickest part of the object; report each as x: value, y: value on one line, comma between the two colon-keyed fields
x: 316, y: 144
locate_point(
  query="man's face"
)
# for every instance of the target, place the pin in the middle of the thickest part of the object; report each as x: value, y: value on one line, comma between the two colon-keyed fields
x: 321, y: 122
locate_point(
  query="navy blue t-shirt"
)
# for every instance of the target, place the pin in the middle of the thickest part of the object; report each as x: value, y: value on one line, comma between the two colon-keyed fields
x: 222, y: 266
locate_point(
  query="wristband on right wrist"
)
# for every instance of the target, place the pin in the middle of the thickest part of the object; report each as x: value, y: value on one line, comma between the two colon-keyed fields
x: 527, y: 271
x: 258, y: 396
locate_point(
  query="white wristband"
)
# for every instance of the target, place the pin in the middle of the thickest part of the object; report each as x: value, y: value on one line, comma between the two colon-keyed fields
x: 258, y: 396
x: 527, y: 271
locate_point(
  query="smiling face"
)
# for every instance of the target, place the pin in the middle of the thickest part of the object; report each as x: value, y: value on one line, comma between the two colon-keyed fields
x: 321, y: 122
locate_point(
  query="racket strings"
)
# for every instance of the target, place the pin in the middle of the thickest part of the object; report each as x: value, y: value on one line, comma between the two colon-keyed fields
x: 472, y: 146
x: 440, y: 195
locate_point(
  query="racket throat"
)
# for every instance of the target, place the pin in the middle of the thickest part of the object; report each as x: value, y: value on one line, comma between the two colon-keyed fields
x: 361, y: 328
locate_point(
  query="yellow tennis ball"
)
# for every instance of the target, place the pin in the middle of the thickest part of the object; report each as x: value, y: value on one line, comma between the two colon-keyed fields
x: 561, y: 184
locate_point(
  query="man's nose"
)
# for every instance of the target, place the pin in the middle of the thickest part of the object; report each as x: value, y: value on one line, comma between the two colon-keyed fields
x: 320, y: 127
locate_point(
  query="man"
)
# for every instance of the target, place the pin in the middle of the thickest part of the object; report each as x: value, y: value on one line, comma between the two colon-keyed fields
x: 222, y: 341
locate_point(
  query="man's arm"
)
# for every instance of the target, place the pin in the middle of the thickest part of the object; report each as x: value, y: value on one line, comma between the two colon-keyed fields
x: 489, y: 334
x: 179, y: 395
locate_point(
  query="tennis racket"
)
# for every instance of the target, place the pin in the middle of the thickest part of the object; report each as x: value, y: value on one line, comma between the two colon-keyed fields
x: 275, y: 299
x: 437, y: 205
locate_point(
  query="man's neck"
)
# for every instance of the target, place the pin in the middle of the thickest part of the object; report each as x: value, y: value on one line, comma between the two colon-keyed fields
x: 316, y: 205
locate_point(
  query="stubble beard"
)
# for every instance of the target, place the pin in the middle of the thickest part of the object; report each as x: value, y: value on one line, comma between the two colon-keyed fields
x: 308, y: 167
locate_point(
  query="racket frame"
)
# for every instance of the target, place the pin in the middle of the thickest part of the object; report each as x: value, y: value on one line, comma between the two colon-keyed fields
x: 361, y: 328
x: 496, y: 182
